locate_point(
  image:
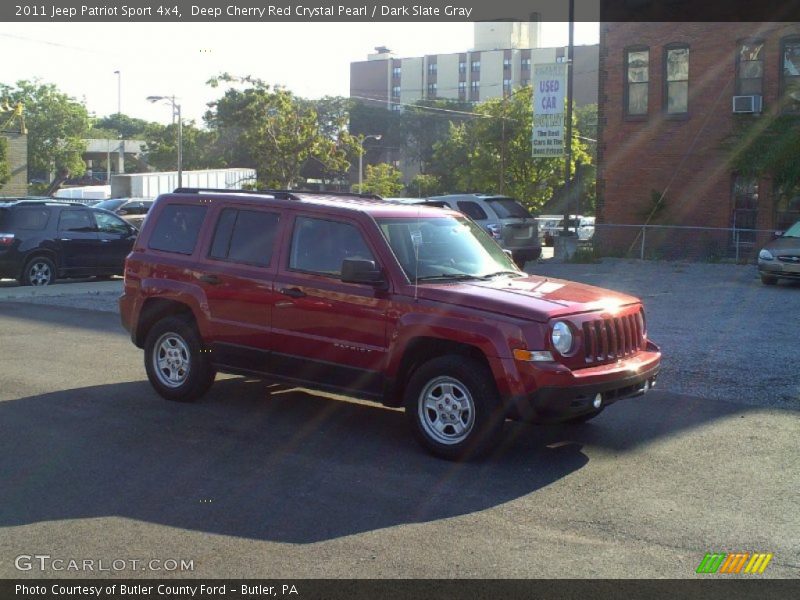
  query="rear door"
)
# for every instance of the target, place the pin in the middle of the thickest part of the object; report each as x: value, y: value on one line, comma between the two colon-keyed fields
x: 77, y: 241
x: 326, y: 331
x: 236, y: 273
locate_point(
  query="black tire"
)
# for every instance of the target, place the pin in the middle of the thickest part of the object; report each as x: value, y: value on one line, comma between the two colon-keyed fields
x: 585, y: 416
x: 475, y: 409
x: 175, y: 339
x: 769, y: 280
x: 39, y: 271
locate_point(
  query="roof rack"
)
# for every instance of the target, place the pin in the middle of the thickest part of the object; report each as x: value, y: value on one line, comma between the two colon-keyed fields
x: 34, y: 202
x: 280, y: 194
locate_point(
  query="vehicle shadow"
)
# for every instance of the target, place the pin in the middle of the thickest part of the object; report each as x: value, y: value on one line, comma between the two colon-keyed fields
x: 251, y: 460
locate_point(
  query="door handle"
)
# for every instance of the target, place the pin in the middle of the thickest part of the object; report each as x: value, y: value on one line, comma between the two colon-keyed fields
x: 293, y: 292
x: 210, y: 279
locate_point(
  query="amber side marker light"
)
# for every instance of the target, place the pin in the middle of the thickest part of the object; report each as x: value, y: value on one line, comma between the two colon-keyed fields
x: 533, y: 355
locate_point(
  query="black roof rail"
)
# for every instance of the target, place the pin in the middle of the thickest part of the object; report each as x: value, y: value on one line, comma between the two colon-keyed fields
x: 281, y: 194
x: 35, y: 202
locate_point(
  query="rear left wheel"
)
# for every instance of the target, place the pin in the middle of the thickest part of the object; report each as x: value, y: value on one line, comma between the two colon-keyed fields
x: 176, y: 365
x: 39, y: 271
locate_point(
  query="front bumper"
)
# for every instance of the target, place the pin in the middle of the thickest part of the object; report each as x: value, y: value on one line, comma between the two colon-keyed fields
x: 554, y: 403
x: 777, y: 268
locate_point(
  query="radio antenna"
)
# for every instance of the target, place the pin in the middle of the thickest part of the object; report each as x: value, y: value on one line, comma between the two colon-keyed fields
x: 416, y: 241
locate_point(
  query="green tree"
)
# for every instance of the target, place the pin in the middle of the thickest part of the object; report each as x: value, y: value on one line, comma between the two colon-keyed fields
x: 424, y: 185
x: 130, y: 128
x: 767, y: 146
x: 496, y: 145
x: 57, y: 125
x: 382, y: 179
x: 199, y: 147
x: 270, y: 129
x: 5, y: 170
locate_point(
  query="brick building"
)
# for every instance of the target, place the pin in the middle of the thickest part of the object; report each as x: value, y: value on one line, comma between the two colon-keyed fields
x: 667, y: 119
x: 17, y: 158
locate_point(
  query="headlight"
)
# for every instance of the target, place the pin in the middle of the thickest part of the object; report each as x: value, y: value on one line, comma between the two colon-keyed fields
x: 561, y: 337
x: 765, y: 255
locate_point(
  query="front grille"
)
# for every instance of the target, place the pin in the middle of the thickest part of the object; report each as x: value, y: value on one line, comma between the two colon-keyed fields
x: 613, y: 338
x: 789, y: 259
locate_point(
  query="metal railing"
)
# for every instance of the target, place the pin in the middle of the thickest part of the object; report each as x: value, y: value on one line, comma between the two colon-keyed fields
x: 678, y: 242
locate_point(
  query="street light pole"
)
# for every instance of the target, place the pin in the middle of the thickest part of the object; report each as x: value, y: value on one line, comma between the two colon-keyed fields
x: 119, y: 120
x: 361, y: 140
x: 176, y: 113
x: 568, y: 154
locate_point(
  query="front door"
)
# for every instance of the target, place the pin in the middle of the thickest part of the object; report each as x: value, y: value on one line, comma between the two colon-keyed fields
x: 326, y: 331
x: 116, y: 240
x: 78, y: 241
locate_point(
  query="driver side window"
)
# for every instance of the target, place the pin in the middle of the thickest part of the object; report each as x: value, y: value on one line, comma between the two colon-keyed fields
x: 319, y: 246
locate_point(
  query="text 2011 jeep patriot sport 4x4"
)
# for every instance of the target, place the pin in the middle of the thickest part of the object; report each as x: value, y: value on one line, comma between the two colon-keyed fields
x: 406, y: 305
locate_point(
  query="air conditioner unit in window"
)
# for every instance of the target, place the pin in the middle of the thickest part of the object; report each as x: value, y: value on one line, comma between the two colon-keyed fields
x: 747, y: 104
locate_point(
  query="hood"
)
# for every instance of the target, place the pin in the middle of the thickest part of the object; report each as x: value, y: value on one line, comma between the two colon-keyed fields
x: 784, y: 245
x: 533, y: 298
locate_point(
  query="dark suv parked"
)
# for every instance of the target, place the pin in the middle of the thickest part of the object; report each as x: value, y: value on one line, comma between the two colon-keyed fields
x: 406, y: 305
x: 40, y: 241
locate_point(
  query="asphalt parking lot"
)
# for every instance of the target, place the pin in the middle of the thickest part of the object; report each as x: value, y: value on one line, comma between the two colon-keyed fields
x: 263, y: 481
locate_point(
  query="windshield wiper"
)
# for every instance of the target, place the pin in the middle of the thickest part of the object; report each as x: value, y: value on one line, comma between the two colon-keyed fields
x: 498, y: 273
x: 449, y: 276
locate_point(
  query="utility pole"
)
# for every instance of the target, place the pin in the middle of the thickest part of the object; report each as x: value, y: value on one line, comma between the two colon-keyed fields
x: 119, y: 119
x: 568, y: 155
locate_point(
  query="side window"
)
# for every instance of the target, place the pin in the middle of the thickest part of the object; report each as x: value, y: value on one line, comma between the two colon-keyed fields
x: 790, y: 75
x: 177, y: 228
x: 472, y: 210
x: 30, y: 218
x: 246, y: 236
x: 320, y: 246
x: 750, y: 68
x: 76, y: 220
x: 110, y: 224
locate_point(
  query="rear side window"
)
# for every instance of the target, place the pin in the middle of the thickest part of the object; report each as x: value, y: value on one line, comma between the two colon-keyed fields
x: 508, y: 208
x: 472, y: 210
x: 76, y: 220
x: 246, y: 236
x: 29, y: 218
x: 177, y: 228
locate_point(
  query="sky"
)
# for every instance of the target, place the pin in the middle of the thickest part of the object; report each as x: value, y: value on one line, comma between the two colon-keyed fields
x: 165, y: 59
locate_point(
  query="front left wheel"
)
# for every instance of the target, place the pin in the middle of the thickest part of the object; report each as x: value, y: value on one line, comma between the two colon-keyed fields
x: 453, y: 408
x: 176, y: 364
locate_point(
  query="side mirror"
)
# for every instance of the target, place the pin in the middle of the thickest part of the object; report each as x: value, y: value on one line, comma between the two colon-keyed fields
x: 778, y: 234
x: 358, y: 270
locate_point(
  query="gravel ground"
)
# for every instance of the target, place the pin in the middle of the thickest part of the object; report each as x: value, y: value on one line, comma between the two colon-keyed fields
x: 723, y: 334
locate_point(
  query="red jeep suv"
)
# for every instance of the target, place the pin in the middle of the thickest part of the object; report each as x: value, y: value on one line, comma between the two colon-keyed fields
x: 405, y: 305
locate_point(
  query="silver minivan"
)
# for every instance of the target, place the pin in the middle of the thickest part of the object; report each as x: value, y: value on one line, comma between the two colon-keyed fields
x: 504, y: 218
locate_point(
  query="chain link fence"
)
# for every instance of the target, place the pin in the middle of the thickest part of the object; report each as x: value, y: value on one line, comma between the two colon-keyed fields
x: 677, y: 242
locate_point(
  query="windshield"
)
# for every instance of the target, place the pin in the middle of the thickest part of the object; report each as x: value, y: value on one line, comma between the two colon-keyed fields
x: 111, y: 205
x: 793, y: 231
x: 508, y: 208
x: 445, y: 248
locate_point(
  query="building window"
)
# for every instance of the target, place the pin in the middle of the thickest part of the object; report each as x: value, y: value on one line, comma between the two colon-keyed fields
x: 750, y: 69
x: 431, y: 90
x: 462, y: 67
x: 462, y: 90
x: 432, y: 68
x: 396, y: 108
x: 506, y: 64
x: 396, y: 72
x: 745, y: 208
x: 525, y: 82
x: 790, y: 75
x: 476, y: 66
x: 787, y: 207
x: 474, y: 90
x: 637, y: 66
x: 506, y: 87
x: 396, y: 91
x: 526, y: 64
x: 676, y: 79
